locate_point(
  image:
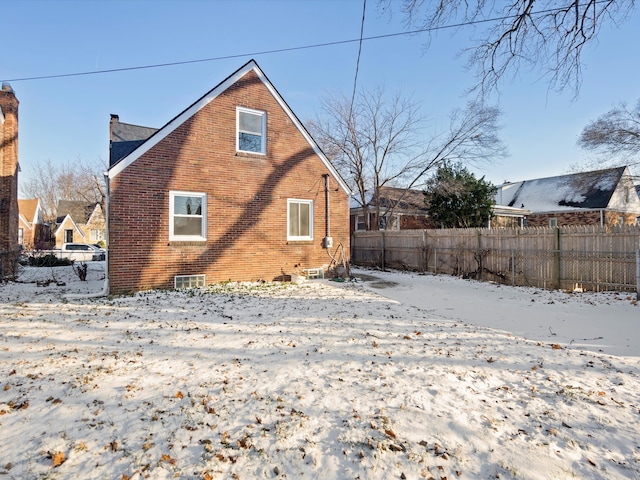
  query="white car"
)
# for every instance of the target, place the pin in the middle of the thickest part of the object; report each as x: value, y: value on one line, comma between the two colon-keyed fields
x: 81, y: 252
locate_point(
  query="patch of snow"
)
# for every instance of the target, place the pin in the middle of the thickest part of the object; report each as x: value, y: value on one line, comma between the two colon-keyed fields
x: 398, y: 376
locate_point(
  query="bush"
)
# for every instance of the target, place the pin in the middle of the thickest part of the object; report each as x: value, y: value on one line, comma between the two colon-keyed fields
x: 48, y: 260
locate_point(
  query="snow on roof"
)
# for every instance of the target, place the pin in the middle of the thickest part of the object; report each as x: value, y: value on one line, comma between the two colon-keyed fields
x: 586, y: 190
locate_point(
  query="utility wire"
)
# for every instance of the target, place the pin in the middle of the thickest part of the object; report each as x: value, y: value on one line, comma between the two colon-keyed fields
x: 279, y: 50
x: 355, y: 79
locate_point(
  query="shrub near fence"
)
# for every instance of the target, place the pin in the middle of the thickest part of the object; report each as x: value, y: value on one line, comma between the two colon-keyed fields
x: 592, y: 258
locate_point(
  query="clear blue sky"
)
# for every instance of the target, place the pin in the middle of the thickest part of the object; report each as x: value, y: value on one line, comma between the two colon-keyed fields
x: 66, y: 119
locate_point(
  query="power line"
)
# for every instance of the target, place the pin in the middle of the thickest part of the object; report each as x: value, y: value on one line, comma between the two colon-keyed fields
x: 355, y: 79
x: 279, y: 50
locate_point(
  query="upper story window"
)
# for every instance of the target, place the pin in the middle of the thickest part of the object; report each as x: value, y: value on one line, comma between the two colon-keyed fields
x: 299, y: 219
x: 252, y: 130
x: 187, y: 216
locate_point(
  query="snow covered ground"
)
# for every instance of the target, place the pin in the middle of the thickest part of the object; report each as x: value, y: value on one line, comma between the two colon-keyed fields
x: 397, y: 376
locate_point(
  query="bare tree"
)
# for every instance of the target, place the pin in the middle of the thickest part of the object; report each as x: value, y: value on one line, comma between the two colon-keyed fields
x: 379, y: 142
x: 547, y: 35
x: 51, y: 183
x: 615, y: 133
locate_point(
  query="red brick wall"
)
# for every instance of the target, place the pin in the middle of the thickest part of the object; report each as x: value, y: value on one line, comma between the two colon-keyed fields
x: 8, y: 171
x: 587, y: 217
x: 247, y: 200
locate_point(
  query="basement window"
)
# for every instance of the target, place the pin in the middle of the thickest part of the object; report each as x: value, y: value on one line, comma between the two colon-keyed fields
x: 189, y: 281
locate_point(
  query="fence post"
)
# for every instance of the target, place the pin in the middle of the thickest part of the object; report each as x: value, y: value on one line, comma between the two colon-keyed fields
x: 425, y: 258
x: 513, y: 266
x: 556, y: 259
x: 383, y: 250
x: 638, y: 274
x: 479, y: 253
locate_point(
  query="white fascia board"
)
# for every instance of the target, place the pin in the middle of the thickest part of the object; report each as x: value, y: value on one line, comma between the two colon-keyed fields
x: 73, y: 224
x: 302, y: 130
x: 23, y: 219
x: 196, y: 107
x: 177, y: 121
x: 93, y: 212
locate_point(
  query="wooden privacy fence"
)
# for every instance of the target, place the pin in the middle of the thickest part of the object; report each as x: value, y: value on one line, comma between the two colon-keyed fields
x: 592, y: 258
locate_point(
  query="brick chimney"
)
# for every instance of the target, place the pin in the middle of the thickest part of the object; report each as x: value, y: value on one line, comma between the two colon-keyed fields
x: 8, y: 175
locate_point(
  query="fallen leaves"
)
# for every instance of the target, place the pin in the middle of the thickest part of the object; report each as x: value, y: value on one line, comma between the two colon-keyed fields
x: 57, y: 458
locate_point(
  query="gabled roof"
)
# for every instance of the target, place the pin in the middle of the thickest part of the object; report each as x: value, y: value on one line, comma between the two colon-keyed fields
x: 28, y: 209
x: 66, y: 220
x: 163, y: 132
x: 400, y: 200
x: 79, y: 210
x: 587, y: 190
x: 125, y: 138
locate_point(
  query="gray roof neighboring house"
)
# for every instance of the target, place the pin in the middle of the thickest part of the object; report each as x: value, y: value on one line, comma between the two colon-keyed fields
x: 80, y: 211
x: 587, y: 190
x: 125, y: 138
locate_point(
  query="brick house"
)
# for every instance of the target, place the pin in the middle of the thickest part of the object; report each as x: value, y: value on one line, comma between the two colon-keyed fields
x: 233, y: 188
x: 79, y: 222
x: 603, y: 197
x: 400, y: 209
x: 9, y: 169
x: 32, y: 231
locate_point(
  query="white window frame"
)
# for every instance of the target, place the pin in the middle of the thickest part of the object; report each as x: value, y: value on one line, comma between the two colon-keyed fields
x: 291, y: 201
x: 364, y: 223
x: 263, y: 133
x: 187, y: 238
x: 553, y: 222
x: 96, y: 235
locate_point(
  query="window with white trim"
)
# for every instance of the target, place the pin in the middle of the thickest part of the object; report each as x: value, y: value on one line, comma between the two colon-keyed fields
x: 96, y: 235
x: 553, y: 222
x: 251, y: 126
x: 299, y: 219
x: 187, y: 216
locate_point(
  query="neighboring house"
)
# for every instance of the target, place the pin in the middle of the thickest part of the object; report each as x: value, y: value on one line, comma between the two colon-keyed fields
x: 400, y: 209
x: 79, y: 222
x: 233, y: 188
x: 604, y: 197
x: 32, y: 231
x: 9, y: 169
x: 508, y: 217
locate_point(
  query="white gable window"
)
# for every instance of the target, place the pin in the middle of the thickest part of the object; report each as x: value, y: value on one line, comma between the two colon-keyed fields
x: 187, y: 216
x: 299, y: 219
x: 252, y: 130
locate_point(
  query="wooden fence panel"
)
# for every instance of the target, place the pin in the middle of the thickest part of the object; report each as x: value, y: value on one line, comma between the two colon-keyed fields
x: 592, y: 258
